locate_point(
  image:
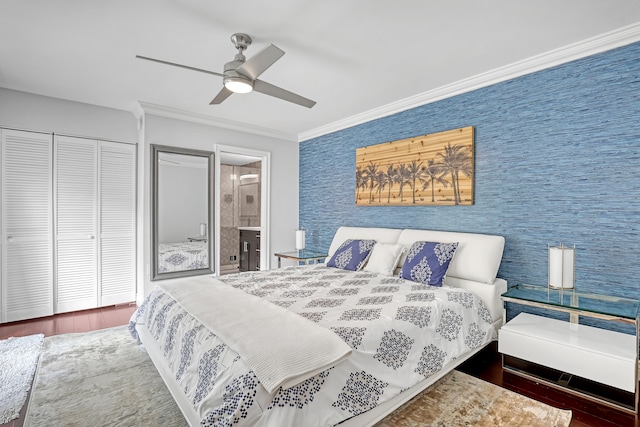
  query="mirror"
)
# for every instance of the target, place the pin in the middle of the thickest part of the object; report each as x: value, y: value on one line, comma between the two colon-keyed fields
x: 250, y: 203
x: 182, y: 212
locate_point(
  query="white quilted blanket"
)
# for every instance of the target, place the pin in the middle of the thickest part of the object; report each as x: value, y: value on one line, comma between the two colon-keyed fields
x: 281, y: 347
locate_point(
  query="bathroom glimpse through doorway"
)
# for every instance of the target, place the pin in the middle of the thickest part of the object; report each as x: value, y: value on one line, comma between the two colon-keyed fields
x: 242, y: 210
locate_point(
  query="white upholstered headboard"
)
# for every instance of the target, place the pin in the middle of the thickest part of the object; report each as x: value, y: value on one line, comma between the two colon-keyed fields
x: 474, y: 266
x: 382, y: 235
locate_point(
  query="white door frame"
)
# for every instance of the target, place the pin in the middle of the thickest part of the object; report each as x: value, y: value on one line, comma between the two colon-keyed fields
x: 265, y: 202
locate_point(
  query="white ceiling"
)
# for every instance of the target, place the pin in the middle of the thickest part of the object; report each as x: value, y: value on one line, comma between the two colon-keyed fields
x: 351, y: 56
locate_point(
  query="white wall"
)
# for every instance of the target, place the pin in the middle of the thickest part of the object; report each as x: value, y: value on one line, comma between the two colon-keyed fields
x: 283, y: 179
x: 26, y: 111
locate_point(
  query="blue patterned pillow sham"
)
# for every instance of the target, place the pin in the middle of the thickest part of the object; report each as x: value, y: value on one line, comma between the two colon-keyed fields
x: 427, y: 262
x: 351, y: 255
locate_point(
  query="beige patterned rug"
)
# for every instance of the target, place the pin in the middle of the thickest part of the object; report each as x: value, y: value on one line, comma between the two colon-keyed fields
x: 462, y: 400
x: 104, y: 378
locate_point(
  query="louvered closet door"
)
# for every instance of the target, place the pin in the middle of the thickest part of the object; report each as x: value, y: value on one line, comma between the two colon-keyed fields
x: 117, y: 222
x: 27, y: 272
x: 75, y: 198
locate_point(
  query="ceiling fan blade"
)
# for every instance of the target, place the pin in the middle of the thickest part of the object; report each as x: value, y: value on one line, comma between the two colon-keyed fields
x: 160, y: 61
x: 221, y: 96
x: 259, y: 62
x: 269, y: 89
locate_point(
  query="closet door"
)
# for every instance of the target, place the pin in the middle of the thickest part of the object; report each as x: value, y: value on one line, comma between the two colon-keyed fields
x: 117, y: 202
x: 27, y: 246
x: 75, y: 198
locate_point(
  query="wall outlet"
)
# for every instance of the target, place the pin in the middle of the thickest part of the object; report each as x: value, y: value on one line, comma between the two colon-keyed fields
x: 233, y: 258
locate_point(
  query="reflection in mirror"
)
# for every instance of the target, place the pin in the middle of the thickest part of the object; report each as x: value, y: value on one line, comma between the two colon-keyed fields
x: 250, y: 203
x: 181, y: 212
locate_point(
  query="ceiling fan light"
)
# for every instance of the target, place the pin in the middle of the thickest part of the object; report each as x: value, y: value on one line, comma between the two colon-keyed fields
x: 238, y: 84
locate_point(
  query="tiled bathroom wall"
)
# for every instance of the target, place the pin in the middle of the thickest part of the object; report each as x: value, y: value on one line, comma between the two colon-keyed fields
x: 240, y: 203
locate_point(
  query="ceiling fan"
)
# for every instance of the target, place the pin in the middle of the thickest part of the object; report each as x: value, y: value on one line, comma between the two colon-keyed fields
x: 241, y: 75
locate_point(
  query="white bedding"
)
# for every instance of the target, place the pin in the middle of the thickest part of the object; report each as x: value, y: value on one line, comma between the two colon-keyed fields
x: 281, y: 348
x: 400, y: 333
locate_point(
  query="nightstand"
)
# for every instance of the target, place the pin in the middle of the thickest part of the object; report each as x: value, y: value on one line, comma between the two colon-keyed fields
x: 302, y: 255
x: 595, y: 363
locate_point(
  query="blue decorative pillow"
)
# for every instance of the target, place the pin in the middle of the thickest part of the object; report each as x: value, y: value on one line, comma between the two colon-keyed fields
x: 427, y: 262
x: 351, y: 255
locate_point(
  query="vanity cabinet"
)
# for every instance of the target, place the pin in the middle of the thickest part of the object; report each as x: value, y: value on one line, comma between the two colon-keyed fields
x: 249, y: 250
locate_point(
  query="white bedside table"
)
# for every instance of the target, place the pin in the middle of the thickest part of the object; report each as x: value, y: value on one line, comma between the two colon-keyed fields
x: 595, y: 363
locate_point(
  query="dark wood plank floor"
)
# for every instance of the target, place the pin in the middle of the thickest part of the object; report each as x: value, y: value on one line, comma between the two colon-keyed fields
x: 78, y: 321
x: 486, y: 365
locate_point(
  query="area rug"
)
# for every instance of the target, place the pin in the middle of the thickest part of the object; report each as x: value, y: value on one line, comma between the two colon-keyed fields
x: 99, y: 378
x: 459, y: 399
x: 18, y: 359
x: 104, y: 378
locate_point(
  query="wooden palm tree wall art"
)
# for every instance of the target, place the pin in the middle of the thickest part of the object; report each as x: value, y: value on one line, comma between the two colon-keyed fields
x: 434, y: 169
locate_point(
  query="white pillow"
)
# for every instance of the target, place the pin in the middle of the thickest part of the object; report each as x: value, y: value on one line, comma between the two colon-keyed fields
x: 384, y: 258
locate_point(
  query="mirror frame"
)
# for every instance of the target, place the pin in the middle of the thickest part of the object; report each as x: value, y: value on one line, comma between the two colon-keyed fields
x: 156, y: 150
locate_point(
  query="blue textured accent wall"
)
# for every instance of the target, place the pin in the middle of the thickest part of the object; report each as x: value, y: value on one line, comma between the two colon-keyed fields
x: 557, y: 159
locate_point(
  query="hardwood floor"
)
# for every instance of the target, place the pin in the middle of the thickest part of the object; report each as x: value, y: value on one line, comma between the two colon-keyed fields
x: 79, y: 321
x: 486, y: 365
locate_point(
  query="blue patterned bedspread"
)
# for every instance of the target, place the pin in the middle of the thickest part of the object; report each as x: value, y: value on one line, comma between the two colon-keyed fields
x: 401, y: 332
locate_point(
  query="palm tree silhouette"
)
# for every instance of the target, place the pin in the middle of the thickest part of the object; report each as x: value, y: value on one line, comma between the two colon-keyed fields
x: 431, y: 174
x: 381, y: 182
x: 402, y: 178
x: 371, y: 171
x: 361, y: 181
x: 390, y: 179
x: 415, y: 171
x: 455, y: 160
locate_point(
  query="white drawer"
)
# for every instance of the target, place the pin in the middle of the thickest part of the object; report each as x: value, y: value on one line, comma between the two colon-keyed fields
x: 600, y: 355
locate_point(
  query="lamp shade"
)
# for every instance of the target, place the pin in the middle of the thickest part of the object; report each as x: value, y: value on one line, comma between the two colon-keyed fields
x: 300, y: 239
x: 562, y: 262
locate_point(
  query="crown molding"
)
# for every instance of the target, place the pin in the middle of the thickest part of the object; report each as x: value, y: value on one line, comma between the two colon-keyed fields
x: 607, y: 41
x: 174, y: 113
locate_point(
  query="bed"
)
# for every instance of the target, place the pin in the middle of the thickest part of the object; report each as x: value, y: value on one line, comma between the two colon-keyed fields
x: 180, y: 256
x: 373, y: 340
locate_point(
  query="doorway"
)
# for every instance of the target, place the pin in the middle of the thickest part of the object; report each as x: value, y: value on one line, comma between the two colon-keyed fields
x: 242, y: 210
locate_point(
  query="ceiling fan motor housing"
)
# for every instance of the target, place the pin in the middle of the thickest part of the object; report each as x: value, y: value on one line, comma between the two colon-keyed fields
x: 234, y: 80
x: 232, y: 65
